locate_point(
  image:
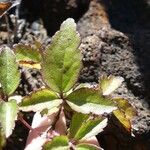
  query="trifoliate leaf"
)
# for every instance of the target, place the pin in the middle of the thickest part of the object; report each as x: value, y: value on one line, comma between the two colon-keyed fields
x: 85, y: 126
x: 8, y: 114
x: 61, y: 62
x: 58, y: 143
x: 9, y: 74
x: 110, y: 84
x: 39, y: 100
x: 87, y: 101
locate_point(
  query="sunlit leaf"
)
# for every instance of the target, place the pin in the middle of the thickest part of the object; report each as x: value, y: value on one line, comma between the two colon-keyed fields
x: 87, y: 101
x: 49, y: 111
x: 125, y: 113
x: 110, y: 84
x: 28, y: 56
x: 9, y: 74
x: 87, y: 147
x: 58, y: 143
x: 17, y: 98
x: 122, y: 119
x: 27, y: 53
x: 30, y: 64
x: 85, y: 126
x: 39, y: 100
x: 61, y: 62
x: 8, y: 114
x: 79, y: 86
x: 84, y: 85
x: 126, y: 107
x: 76, y: 123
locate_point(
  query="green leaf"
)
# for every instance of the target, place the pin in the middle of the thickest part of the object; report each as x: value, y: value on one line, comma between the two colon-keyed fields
x: 87, y: 101
x: 76, y: 123
x: 61, y: 62
x: 9, y: 76
x: 58, y: 143
x: 8, y: 114
x: 79, y: 86
x: 110, y: 84
x: 85, y: 126
x: 28, y: 56
x: 87, y: 147
x: 39, y: 100
x: 27, y: 53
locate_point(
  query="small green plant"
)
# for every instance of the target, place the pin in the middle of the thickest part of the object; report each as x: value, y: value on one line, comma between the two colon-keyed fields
x: 68, y: 115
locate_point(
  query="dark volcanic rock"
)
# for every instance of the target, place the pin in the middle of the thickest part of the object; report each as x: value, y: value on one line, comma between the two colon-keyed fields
x: 91, y: 47
x: 120, y: 53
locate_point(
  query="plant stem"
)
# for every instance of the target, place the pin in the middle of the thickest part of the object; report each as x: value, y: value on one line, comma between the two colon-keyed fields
x: 56, y: 119
x: 20, y: 117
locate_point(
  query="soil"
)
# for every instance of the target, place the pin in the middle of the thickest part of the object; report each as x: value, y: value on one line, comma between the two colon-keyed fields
x: 115, y: 40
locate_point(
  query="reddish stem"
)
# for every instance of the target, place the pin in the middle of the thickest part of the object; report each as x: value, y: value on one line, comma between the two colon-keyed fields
x: 20, y: 117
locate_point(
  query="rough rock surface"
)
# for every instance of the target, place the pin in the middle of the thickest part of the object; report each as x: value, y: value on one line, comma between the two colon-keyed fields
x: 123, y: 54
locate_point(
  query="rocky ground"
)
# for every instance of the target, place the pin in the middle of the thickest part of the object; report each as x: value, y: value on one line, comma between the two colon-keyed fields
x: 115, y: 40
